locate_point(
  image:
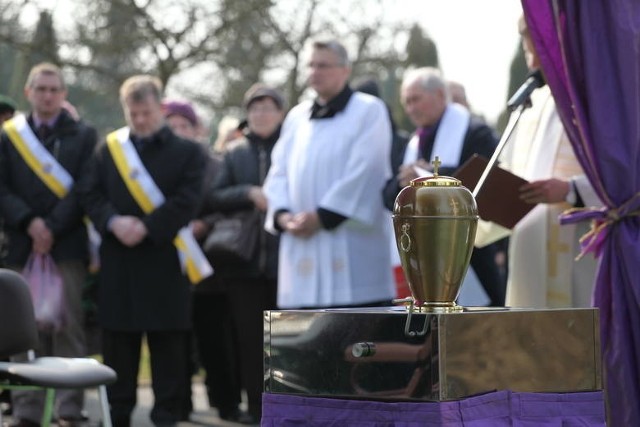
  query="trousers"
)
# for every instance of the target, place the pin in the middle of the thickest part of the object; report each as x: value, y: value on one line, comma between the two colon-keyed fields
x: 168, y: 360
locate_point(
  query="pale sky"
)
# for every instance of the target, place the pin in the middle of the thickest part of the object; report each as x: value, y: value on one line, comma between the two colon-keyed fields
x: 476, y: 41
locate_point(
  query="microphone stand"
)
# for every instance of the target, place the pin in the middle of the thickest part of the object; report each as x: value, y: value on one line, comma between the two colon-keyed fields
x: 511, y: 125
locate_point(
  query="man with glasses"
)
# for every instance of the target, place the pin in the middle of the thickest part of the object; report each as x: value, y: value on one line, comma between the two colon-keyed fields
x: 324, y: 192
x: 42, y: 158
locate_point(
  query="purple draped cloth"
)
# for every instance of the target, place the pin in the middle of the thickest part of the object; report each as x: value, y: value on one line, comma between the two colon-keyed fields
x: 590, y: 55
x: 497, y: 409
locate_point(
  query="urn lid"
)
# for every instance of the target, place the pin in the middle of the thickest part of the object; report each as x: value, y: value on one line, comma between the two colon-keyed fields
x: 436, y: 196
x: 436, y: 180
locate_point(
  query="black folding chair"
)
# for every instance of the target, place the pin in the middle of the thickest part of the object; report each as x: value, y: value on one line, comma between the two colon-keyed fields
x: 19, y: 334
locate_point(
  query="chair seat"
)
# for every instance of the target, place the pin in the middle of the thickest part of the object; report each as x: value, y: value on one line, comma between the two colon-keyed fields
x: 58, y: 372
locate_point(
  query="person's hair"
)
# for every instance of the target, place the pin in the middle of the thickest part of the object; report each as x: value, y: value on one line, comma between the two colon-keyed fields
x: 367, y: 85
x: 458, y: 93
x: 227, y: 125
x: 429, y: 78
x: 335, y: 47
x: 44, y: 68
x: 140, y: 87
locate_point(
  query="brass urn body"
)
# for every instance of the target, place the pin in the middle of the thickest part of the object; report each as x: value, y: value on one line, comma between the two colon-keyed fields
x: 435, y: 220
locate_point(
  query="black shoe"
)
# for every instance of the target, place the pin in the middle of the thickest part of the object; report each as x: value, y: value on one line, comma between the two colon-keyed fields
x: 5, y: 402
x: 248, y: 419
x: 238, y: 416
x: 6, y: 408
x: 24, y: 423
x: 73, y: 422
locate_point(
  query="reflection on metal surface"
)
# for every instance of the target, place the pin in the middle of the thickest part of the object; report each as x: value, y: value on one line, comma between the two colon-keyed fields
x: 363, y: 349
x: 364, y: 353
x: 434, y: 221
x: 433, y: 307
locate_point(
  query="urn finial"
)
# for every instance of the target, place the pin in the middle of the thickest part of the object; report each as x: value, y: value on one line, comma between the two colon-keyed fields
x: 436, y: 165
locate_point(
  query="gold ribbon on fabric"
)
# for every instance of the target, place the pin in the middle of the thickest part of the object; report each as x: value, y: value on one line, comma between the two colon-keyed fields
x: 148, y: 196
x: 40, y: 161
x: 601, y: 221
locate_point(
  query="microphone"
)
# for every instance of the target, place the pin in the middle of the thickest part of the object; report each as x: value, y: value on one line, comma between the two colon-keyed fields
x: 533, y: 82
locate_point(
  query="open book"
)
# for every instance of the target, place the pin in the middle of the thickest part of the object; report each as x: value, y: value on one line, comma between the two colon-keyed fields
x: 499, y: 199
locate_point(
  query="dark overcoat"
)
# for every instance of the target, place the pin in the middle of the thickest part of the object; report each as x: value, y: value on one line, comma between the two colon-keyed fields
x: 142, y: 288
x: 246, y: 164
x: 23, y: 195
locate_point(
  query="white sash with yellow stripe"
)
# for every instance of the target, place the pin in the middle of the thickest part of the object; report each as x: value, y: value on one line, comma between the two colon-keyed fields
x: 148, y: 196
x: 41, y: 161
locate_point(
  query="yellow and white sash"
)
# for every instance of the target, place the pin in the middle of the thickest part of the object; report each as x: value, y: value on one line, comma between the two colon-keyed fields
x: 47, y: 168
x: 149, y: 197
x: 41, y: 161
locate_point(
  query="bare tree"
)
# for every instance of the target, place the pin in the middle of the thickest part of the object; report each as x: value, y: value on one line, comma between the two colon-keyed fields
x: 359, y: 25
x: 421, y: 50
x: 210, y: 51
x: 156, y: 36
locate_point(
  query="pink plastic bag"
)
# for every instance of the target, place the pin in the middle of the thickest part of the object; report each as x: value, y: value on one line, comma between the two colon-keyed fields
x: 47, y: 291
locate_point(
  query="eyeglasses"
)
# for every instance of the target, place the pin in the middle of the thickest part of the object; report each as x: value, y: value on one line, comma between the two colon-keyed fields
x: 322, y: 65
x: 52, y: 89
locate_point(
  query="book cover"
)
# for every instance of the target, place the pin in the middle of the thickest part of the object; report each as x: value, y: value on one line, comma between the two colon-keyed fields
x: 499, y: 199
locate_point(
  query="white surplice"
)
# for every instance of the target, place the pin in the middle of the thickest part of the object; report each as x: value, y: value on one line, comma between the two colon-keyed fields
x: 542, y: 267
x: 340, y: 164
x: 447, y: 146
x: 449, y: 140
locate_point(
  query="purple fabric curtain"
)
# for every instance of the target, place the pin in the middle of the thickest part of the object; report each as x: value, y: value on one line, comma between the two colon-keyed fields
x: 497, y: 409
x: 590, y: 55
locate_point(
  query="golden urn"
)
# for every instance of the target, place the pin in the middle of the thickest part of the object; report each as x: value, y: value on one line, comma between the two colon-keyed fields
x: 435, y: 220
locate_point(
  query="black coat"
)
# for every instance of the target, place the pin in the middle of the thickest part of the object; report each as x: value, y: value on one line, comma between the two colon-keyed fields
x: 23, y: 196
x: 479, y: 139
x: 246, y: 164
x: 208, y: 214
x: 142, y: 288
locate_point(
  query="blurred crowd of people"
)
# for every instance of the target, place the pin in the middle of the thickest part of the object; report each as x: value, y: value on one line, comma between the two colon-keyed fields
x: 321, y: 179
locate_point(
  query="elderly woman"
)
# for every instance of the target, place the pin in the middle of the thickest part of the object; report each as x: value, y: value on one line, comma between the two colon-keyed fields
x: 251, y: 284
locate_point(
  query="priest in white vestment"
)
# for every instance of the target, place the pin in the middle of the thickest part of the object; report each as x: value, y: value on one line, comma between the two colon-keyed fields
x: 448, y: 131
x: 324, y: 190
x: 543, y: 271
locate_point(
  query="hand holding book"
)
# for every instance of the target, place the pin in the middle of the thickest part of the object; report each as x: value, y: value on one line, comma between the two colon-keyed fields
x: 499, y: 198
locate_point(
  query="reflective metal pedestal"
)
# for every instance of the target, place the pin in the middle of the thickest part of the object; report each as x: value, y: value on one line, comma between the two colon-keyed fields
x: 365, y: 353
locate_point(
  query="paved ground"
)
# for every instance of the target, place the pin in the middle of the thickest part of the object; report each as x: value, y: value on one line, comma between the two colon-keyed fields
x: 202, y: 415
